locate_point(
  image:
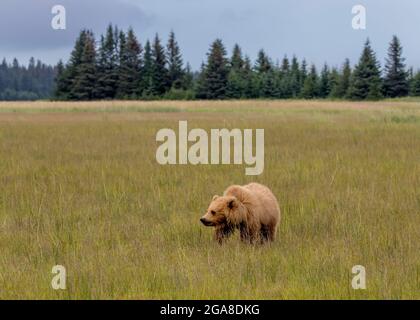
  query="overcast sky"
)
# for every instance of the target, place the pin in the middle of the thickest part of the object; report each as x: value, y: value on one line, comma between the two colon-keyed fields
x: 318, y: 30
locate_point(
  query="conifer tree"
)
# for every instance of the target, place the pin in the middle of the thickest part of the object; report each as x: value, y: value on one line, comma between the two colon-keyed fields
x: 29, y: 77
x: 108, y: 65
x: 175, y: 64
x: 77, y: 53
x: 4, y: 68
x: 366, y: 82
x: 237, y: 61
x: 188, y: 78
x: 263, y: 82
x: 250, y: 90
x: 61, y: 89
x: 66, y: 79
x: 310, y: 87
x: 122, y: 58
x: 344, y: 81
x: 334, y: 80
x: 200, y: 85
x: 395, y: 81
x: 146, y: 87
x: 270, y: 85
x: 160, y: 77
x: 324, y: 83
x: 236, y: 85
x: 263, y: 63
x: 284, y: 80
x: 410, y: 79
x: 215, y: 78
x: 121, y: 50
x: 295, y: 78
x: 130, y: 67
x: 85, y: 81
x: 303, y: 74
x: 415, y: 85
x: 285, y: 65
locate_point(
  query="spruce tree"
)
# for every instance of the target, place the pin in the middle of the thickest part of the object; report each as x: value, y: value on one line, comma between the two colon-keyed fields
x: 188, y: 78
x: 344, y: 81
x: 215, y: 74
x: 16, y: 80
x: 108, y: 65
x: 310, y: 88
x: 295, y: 75
x: 200, y: 85
x: 160, y: 77
x: 410, y: 79
x: 366, y: 82
x: 236, y: 86
x: 395, y: 81
x: 30, y: 77
x: 4, y: 68
x: 249, y: 76
x: 415, y: 85
x: 146, y: 84
x: 263, y: 63
x: 285, y: 65
x: 270, y: 84
x: 284, y: 84
x: 175, y: 64
x: 334, y: 81
x: 303, y: 75
x: 324, y: 83
x: 121, y: 50
x: 62, y: 88
x: 66, y: 79
x: 237, y: 61
x: 85, y: 81
x: 122, y: 58
x: 77, y: 53
x: 130, y: 66
x: 263, y: 83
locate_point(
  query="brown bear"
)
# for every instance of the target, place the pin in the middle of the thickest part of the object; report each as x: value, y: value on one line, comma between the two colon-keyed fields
x: 253, y: 209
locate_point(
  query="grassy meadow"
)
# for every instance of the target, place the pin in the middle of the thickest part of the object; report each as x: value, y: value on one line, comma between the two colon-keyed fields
x: 80, y: 187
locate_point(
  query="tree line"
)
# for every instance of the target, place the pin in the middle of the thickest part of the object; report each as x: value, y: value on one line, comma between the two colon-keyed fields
x: 32, y: 82
x: 119, y: 66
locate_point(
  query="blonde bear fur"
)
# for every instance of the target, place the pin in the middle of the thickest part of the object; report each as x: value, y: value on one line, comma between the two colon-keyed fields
x: 252, y: 209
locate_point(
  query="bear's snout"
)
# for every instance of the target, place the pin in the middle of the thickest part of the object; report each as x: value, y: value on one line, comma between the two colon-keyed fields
x: 205, y: 222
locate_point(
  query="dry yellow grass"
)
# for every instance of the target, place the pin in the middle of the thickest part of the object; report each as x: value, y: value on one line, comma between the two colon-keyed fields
x: 252, y: 105
x: 80, y: 186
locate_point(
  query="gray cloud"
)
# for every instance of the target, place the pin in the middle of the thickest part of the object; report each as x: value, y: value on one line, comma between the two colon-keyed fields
x: 319, y: 30
x: 26, y: 24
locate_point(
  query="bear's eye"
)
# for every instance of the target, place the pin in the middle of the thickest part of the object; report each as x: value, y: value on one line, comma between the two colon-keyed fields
x: 212, y: 212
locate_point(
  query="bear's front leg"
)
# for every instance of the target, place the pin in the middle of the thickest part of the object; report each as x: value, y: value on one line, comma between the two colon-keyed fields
x: 222, y: 233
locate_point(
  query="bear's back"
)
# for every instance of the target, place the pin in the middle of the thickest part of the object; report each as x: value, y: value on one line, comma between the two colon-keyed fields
x: 267, y: 202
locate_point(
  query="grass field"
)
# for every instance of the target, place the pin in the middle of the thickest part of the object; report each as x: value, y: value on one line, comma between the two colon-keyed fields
x: 80, y: 187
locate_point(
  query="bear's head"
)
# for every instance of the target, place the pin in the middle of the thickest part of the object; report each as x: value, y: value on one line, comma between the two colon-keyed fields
x: 226, y: 210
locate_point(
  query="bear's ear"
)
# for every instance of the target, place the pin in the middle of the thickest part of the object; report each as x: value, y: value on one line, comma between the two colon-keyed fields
x: 232, y: 203
x: 215, y: 197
